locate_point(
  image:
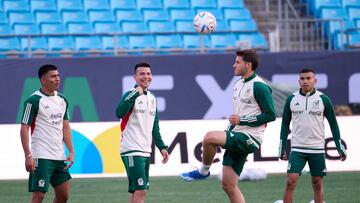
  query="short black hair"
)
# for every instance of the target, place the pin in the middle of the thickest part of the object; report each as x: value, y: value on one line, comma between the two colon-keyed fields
x: 45, y: 69
x: 307, y: 70
x: 142, y: 64
x: 249, y: 55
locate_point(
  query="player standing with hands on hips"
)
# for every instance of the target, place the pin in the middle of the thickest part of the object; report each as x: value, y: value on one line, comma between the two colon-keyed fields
x: 253, y: 108
x: 46, y: 113
x: 307, y: 109
x: 137, y: 110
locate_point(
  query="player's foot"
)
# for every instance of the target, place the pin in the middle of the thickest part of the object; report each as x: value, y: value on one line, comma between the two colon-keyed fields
x: 193, y: 175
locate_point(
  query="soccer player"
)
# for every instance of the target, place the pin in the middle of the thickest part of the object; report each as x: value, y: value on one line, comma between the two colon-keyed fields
x: 46, y: 113
x: 253, y: 108
x: 137, y: 110
x: 307, y: 109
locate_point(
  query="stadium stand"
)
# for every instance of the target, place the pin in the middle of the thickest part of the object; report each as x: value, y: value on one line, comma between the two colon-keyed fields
x: 54, y: 23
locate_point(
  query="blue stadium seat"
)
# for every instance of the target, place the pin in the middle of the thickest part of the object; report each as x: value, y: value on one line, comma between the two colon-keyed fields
x: 60, y: 43
x: 16, y: 6
x: 149, y: 4
x: 161, y: 26
x: 171, y: 41
x: 5, y: 29
x: 243, y: 25
x: 333, y: 13
x: 223, y: 40
x: 116, y: 5
x: 134, y: 27
x: 354, y: 14
x: 182, y: 14
x: 42, y: 5
x: 222, y: 4
x: 357, y: 23
x: 176, y: 4
x: 3, y: 18
x: 185, y: 26
x: 25, y: 29
x: 354, y: 39
x: 80, y: 28
x: 101, y: 17
x: 335, y: 26
x: 69, y: 5
x: 74, y: 17
x: 194, y: 41
x: 237, y: 14
x: 20, y: 18
x: 47, y: 17
x: 53, y: 28
x: 256, y: 40
x: 34, y: 43
x: 216, y: 12
x: 9, y: 44
x: 106, y: 27
x: 321, y: 4
x: 108, y: 42
x: 96, y: 5
x: 351, y: 4
x: 221, y: 26
x: 87, y: 43
x: 142, y: 42
x: 203, y: 4
x: 128, y: 16
x: 155, y: 15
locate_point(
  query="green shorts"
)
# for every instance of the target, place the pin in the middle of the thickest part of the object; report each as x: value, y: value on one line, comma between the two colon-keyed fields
x: 297, y: 161
x: 238, y: 145
x: 47, y: 171
x: 137, y: 169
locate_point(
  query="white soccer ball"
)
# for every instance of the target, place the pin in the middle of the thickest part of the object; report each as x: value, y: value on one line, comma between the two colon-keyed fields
x: 204, y: 22
x: 278, y: 201
x: 312, y: 201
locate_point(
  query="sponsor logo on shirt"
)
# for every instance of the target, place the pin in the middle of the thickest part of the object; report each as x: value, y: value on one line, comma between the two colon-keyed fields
x: 297, y: 112
x: 315, y: 113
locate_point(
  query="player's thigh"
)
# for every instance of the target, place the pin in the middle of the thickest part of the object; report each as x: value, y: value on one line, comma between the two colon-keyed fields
x: 230, y: 178
x: 215, y: 137
x: 317, y: 164
x: 297, y: 161
x: 60, y: 175
x: 137, y: 169
x: 39, y: 180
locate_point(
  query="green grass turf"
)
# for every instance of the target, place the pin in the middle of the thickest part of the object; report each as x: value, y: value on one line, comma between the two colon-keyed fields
x: 338, y: 187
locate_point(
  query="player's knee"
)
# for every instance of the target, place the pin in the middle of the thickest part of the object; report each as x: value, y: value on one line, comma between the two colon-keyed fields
x: 209, y: 138
x: 228, y: 187
x: 291, y: 183
x: 63, y: 197
x: 317, y: 185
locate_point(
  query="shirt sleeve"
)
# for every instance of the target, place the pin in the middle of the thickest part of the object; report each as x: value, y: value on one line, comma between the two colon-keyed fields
x: 67, y: 114
x: 126, y: 103
x: 156, y: 134
x: 263, y: 97
x: 286, y: 119
x: 329, y: 113
x: 31, y: 108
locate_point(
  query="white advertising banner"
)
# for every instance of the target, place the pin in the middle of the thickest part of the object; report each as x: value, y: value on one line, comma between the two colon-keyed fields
x: 97, y: 147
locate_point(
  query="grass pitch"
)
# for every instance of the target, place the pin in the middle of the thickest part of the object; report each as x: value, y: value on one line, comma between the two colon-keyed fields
x: 338, y: 187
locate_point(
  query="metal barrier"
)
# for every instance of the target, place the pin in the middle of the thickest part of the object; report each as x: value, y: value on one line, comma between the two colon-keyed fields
x: 305, y: 35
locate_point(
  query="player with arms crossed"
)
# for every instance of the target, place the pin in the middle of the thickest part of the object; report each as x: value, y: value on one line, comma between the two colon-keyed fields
x: 46, y: 113
x: 307, y: 109
x: 253, y: 108
x: 137, y: 110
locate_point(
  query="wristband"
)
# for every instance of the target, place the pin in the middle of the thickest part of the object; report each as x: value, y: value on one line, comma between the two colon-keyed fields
x: 28, y: 155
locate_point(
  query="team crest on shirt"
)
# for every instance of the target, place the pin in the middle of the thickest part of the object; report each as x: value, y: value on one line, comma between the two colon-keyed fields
x: 247, y: 92
x: 140, y: 181
x: 41, y: 183
x: 316, y: 104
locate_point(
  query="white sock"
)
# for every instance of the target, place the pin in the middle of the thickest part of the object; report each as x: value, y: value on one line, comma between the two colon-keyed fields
x: 204, y: 170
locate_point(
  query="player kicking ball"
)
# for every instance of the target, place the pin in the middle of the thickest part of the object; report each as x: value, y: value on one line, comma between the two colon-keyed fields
x: 253, y: 108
